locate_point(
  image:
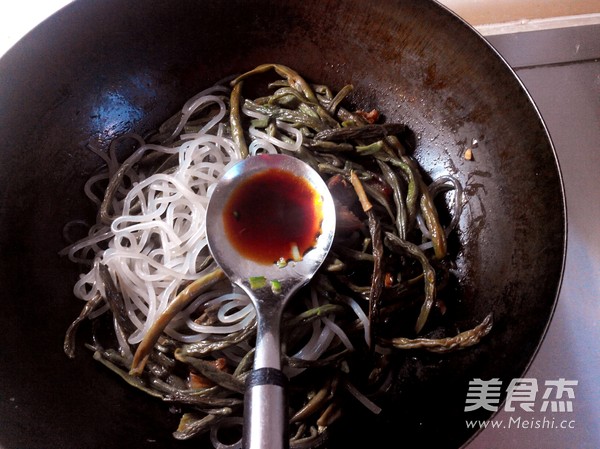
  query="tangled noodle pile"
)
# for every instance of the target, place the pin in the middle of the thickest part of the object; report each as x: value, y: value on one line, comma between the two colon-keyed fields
x: 165, y: 318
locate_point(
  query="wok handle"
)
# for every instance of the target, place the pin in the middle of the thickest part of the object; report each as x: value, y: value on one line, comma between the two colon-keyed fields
x: 265, y: 410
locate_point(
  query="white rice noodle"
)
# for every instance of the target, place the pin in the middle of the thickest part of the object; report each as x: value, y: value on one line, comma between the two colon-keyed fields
x: 113, y: 161
x: 196, y: 103
x: 236, y: 327
x: 294, y: 132
x: 264, y: 143
x: 370, y: 405
x: 324, y: 331
x: 242, y: 317
x: 259, y: 146
x: 227, y: 318
x: 360, y: 313
x: 319, y: 342
x: 339, y: 332
x: 426, y: 245
x: 80, y: 249
x: 321, y: 336
x: 253, y: 114
x: 234, y: 354
x: 87, y: 189
x: 423, y: 226
x: 294, y: 147
x: 200, y: 301
x: 185, y: 337
x: 151, y: 247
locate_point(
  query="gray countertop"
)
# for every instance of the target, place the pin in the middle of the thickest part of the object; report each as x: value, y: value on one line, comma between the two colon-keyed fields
x: 561, y: 70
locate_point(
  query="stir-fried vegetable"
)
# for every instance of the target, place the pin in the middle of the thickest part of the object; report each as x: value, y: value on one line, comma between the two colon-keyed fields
x: 168, y: 322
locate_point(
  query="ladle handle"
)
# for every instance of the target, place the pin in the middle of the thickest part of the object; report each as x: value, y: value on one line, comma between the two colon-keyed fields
x: 265, y: 409
x: 265, y: 401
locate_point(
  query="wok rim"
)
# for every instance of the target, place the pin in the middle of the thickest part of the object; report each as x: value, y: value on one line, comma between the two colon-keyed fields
x: 564, y: 228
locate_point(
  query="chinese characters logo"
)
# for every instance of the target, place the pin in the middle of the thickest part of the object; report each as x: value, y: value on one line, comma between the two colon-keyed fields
x: 523, y: 394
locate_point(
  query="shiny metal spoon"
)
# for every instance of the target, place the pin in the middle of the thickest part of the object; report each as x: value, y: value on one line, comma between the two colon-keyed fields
x: 261, y: 233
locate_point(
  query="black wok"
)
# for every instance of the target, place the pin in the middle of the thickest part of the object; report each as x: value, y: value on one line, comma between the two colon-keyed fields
x: 98, y: 69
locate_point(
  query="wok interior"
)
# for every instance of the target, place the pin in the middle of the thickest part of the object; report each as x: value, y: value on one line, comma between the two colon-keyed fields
x: 99, y: 69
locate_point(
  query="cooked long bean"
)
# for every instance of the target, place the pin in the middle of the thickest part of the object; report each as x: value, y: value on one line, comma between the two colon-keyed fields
x: 179, y: 330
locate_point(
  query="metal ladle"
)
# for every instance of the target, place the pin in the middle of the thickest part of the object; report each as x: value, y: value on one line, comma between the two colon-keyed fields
x: 265, y: 410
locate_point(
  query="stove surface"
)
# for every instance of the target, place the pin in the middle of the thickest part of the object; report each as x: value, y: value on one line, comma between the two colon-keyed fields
x: 561, y: 70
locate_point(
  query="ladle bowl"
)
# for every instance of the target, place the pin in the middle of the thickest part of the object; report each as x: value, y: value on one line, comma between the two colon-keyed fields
x: 269, y: 285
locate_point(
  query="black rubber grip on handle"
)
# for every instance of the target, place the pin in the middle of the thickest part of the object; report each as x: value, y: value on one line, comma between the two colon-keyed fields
x: 266, y: 376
